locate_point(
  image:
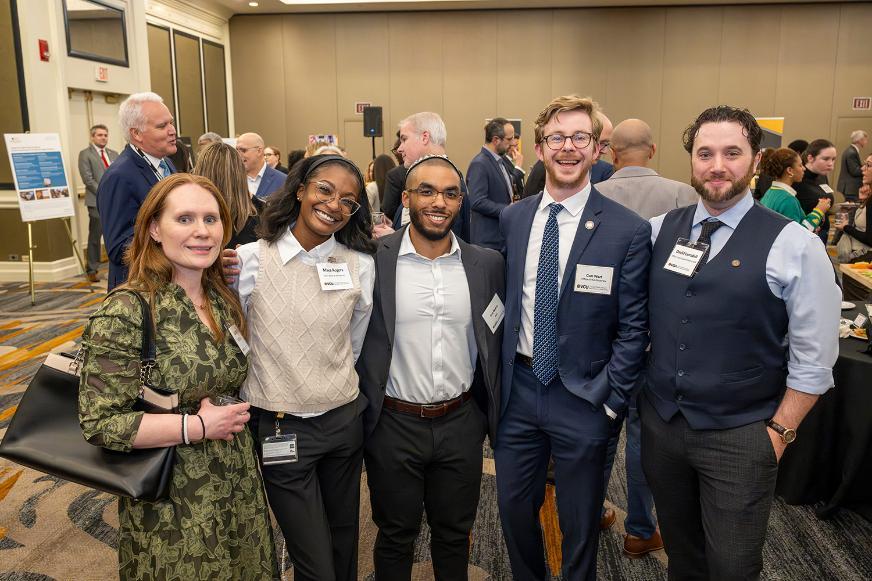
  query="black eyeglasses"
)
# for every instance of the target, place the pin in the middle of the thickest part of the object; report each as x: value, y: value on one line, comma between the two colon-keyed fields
x: 580, y: 139
x: 430, y: 193
x: 327, y: 193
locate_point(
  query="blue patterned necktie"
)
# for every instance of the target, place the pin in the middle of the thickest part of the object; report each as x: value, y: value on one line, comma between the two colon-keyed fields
x: 164, y: 168
x: 545, y: 356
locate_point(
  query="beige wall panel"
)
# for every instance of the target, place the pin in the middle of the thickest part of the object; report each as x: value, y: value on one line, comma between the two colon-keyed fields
x: 579, y: 46
x: 749, y: 58
x: 691, y: 56
x: 524, y: 71
x: 634, y: 55
x: 310, y: 77
x: 363, y: 65
x: 415, y: 81
x: 805, y: 71
x: 853, y: 77
x: 258, y: 82
x: 469, y: 80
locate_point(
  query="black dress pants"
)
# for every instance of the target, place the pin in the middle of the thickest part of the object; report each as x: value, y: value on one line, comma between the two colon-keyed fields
x: 414, y: 463
x: 316, y: 500
x: 713, y: 490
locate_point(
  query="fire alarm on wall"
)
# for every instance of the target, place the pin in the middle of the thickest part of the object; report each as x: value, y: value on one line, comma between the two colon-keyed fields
x: 43, y: 50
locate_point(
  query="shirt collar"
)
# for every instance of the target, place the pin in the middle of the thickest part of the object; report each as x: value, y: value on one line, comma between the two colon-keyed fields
x: 574, y: 204
x: 494, y: 154
x: 259, y: 174
x: 289, y: 247
x: 406, y: 246
x: 731, y: 217
x: 154, y: 161
x: 785, y: 187
x: 98, y: 148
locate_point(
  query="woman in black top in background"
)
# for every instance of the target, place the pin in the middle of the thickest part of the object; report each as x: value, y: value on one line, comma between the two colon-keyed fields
x: 819, y: 159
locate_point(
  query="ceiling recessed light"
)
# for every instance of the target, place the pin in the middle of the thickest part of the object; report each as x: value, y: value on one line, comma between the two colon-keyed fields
x: 253, y: 4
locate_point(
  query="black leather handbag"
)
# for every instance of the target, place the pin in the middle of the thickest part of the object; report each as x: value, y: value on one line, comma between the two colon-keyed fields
x: 45, y: 434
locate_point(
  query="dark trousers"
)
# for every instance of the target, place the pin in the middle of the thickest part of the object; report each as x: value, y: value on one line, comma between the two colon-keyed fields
x: 640, y: 521
x: 316, y: 500
x: 542, y: 421
x: 95, y: 230
x: 713, y: 490
x: 413, y: 464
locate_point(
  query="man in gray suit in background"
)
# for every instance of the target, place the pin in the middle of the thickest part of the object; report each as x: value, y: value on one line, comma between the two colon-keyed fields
x: 93, y: 161
x: 634, y: 184
x: 851, y: 173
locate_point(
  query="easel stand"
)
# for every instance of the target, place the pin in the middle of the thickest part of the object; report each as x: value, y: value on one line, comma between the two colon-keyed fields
x: 373, y: 146
x: 31, y: 247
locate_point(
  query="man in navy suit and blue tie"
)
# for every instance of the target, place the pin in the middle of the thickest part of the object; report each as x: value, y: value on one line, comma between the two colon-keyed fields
x: 490, y: 185
x: 148, y: 127
x: 576, y: 328
x: 262, y: 178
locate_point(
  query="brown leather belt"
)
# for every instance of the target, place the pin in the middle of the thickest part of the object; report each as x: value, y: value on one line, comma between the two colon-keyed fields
x: 428, y: 410
x: 523, y: 359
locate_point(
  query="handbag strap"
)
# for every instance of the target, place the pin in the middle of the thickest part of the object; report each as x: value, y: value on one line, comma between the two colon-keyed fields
x: 147, y: 349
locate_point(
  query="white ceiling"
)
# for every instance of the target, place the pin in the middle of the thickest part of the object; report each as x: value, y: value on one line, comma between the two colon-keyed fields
x: 231, y: 7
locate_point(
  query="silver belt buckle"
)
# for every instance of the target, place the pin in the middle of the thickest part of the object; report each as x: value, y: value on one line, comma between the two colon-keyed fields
x: 432, y: 406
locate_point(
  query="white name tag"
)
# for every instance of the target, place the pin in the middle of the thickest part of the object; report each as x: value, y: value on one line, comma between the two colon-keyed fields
x: 593, y: 279
x: 685, y: 257
x: 334, y: 276
x: 860, y: 320
x: 494, y: 313
x: 827, y: 188
x: 239, y: 339
x: 281, y: 449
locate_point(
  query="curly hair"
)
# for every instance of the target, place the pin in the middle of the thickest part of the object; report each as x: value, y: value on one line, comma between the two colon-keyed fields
x: 725, y: 114
x: 776, y: 161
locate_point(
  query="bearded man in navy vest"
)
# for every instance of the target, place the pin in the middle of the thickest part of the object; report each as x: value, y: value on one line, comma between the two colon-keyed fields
x: 744, y: 313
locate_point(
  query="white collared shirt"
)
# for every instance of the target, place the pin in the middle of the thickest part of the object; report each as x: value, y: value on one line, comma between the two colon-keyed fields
x: 100, y: 152
x: 289, y: 249
x: 567, y: 222
x: 434, y: 351
x: 254, y: 182
x: 799, y: 272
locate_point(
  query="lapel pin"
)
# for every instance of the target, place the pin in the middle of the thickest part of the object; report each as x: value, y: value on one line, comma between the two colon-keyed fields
x: 736, y: 262
x: 589, y: 224
x: 332, y: 260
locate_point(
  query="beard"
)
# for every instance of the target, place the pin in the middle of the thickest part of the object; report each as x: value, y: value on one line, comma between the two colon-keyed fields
x: 429, y: 231
x: 738, y: 188
x: 554, y: 177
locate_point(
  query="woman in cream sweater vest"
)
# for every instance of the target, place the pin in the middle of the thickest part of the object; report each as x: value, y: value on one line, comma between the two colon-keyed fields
x: 307, y: 289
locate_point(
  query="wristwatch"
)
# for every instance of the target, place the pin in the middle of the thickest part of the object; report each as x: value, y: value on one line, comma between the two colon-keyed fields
x: 787, y: 434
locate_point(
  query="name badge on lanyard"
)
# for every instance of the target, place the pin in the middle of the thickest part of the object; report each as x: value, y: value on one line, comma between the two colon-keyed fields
x: 685, y: 257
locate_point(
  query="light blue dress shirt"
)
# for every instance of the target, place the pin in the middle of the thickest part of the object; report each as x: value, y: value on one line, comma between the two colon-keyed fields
x: 799, y: 272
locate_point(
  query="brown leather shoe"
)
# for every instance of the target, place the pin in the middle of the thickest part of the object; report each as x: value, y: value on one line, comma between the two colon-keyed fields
x: 607, y: 519
x: 635, y: 547
x: 93, y: 277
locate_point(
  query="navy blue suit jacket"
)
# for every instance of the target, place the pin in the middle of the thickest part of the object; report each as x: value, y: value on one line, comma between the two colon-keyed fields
x: 488, y: 195
x: 272, y: 181
x: 602, y: 338
x: 119, y: 196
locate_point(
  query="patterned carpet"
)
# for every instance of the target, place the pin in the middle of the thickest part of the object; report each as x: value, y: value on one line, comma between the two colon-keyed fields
x: 51, y: 529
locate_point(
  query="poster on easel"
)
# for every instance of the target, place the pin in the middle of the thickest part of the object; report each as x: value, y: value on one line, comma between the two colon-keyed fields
x: 38, y: 167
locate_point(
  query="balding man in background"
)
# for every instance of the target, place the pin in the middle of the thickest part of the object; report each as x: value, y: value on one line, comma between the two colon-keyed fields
x: 262, y: 179
x: 851, y: 173
x: 642, y: 190
x: 634, y: 184
x: 601, y: 170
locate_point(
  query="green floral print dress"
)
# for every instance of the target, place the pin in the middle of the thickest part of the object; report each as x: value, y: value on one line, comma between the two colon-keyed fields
x: 215, y: 523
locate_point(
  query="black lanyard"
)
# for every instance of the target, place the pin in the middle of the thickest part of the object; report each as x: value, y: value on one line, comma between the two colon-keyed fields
x: 141, y: 153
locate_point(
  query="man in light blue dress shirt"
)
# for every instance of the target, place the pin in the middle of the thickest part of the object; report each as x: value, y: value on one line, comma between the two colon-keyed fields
x: 744, y: 312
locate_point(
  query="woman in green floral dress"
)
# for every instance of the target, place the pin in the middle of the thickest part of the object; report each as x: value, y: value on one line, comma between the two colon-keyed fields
x: 214, y: 523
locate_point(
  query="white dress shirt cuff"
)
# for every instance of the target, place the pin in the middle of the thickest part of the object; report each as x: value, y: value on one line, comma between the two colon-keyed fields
x: 610, y: 413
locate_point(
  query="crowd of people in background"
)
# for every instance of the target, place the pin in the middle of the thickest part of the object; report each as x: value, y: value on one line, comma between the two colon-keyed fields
x: 400, y: 314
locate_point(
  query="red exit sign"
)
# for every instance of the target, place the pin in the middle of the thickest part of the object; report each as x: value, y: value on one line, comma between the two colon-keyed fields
x: 862, y: 103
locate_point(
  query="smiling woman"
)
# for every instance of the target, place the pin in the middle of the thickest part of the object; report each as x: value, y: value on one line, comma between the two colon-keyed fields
x: 307, y: 285
x: 215, y: 517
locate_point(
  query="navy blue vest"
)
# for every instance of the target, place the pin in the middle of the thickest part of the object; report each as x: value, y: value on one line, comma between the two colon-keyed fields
x: 718, y: 348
